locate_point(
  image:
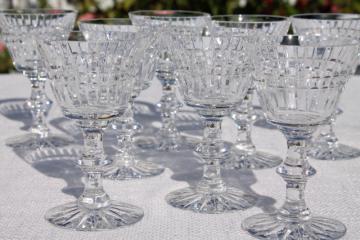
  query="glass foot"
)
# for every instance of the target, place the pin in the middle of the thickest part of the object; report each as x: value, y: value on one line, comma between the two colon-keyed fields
x: 32, y: 141
x: 76, y: 217
x: 140, y: 169
x: 269, y: 226
x: 191, y: 198
x: 258, y: 160
x: 340, y: 152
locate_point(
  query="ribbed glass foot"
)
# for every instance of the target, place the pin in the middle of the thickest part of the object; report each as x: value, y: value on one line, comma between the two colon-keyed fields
x: 190, y: 198
x: 32, y: 141
x: 140, y: 169
x: 257, y: 160
x: 338, y: 152
x: 270, y: 226
x: 74, y: 216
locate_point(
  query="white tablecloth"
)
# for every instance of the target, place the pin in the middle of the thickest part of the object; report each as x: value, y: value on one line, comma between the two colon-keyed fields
x: 27, y: 191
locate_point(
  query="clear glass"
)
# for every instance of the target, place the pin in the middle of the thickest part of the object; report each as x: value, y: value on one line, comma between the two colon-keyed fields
x: 212, y: 70
x: 299, y: 84
x: 127, y: 165
x: 244, y: 153
x: 19, y: 30
x: 169, y: 138
x: 326, y: 145
x: 90, y: 85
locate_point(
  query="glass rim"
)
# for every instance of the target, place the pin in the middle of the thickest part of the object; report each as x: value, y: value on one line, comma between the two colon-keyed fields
x: 37, y: 11
x: 168, y: 14
x: 83, y: 38
x: 102, y: 21
x: 74, y: 32
x: 323, y: 16
x: 272, y: 18
x: 351, y: 43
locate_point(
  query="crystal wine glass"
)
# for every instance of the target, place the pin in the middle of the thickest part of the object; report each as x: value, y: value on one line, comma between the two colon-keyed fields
x: 169, y: 138
x: 213, y: 69
x: 299, y: 84
x: 244, y: 152
x: 92, y: 86
x: 19, y: 30
x: 127, y: 166
x: 326, y: 145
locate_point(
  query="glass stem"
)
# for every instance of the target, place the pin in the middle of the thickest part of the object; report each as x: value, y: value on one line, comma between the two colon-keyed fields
x: 243, y: 119
x: 169, y: 106
x: 295, y: 171
x: 211, y: 150
x: 125, y: 138
x: 92, y: 163
x: 328, y: 136
x: 39, y: 105
x: 128, y: 116
x: 126, y: 153
x: 332, y: 140
x: 249, y: 102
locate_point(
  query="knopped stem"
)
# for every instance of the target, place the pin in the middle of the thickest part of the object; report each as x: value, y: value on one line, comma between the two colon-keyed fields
x: 295, y: 171
x: 212, y: 152
x: 169, y: 104
x: 243, y: 118
x: 328, y: 137
x: 92, y: 163
x: 126, y: 128
x: 39, y: 105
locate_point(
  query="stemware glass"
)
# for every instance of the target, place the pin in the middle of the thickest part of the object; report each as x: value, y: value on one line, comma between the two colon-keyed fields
x: 92, y: 86
x: 213, y: 69
x: 127, y: 166
x: 244, y: 152
x: 19, y: 30
x: 326, y: 145
x: 299, y: 84
x: 169, y: 138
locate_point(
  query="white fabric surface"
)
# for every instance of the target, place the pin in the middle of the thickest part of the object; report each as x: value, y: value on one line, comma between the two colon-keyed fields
x: 26, y: 192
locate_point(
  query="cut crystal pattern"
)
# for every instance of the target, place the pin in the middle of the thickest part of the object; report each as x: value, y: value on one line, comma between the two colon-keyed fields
x: 260, y: 27
x: 141, y: 69
x: 213, y: 72
x: 92, y: 84
x: 326, y: 145
x: 161, y: 23
x: 19, y: 30
x: 299, y: 84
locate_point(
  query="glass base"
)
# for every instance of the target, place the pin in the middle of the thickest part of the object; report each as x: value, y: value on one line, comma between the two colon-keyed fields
x: 140, y: 169
x: 269, y: 226
x: 76, y: 217
x: 191, y: 198
x: 257, y: 160
x: 322, y: 151
x: 33, y: 141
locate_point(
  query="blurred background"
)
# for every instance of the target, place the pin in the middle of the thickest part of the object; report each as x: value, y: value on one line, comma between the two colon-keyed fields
x: 89, y: 9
